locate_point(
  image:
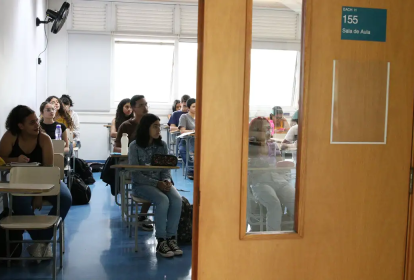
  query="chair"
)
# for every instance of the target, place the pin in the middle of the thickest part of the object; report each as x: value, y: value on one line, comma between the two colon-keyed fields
x: 41, y: 175
x: 136, y: 201
x: 59, y: 161
x: 58, y: 146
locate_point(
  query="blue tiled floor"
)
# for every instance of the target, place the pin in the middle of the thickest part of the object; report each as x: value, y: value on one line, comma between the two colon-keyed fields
x: 98, y: 246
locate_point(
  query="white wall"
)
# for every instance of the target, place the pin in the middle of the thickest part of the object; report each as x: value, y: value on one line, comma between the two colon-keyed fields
x: 22, y: 80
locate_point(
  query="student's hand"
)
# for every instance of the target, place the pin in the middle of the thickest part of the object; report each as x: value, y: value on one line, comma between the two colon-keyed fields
x: 169, y: 185
x: 162, y: 186
x: 23, y: 159
x: 37, y: 203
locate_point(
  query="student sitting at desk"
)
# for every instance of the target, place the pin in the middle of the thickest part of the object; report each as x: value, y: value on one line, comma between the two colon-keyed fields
x: 47, y: 112
x: 140, y: 108
x: 61, y: 115
x: 24, y: 142
x: 123, y: 113
x: 156, y: 186
x: 175, y: 117
x: 187, y: 124
x: 68, y: 104
x: 269, y: 188
x: 281, y: 124
x: 175, y: 107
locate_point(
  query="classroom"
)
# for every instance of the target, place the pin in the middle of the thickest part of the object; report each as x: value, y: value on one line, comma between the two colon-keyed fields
x: 206, y: 139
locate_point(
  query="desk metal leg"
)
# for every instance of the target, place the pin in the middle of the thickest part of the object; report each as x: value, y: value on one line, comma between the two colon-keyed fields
x: 3, y: 178
x: 187, y: 156
x: 117, y: 188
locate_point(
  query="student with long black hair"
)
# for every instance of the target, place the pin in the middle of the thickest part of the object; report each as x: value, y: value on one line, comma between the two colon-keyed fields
x: 156, y: 186
x: 123, y: 113
x: 24, y: 142
x: 61, y: 115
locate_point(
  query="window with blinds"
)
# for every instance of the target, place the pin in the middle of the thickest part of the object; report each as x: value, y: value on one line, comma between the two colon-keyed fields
x: 145, y: 18
x: 89, y: 16
x: 173, y: 19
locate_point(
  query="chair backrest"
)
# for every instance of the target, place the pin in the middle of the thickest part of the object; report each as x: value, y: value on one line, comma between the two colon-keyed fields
x: 59, y: 161
x: 58, y: 146
x: 70, y: 135
x: 37, y: 175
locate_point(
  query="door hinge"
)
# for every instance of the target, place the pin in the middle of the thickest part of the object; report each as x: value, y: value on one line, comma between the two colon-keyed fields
x: 411, y: 180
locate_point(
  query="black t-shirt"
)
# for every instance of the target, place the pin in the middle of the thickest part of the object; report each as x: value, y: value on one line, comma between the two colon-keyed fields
x: 51, y: 128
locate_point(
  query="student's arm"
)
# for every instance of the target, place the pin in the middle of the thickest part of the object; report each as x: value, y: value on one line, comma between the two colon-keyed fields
x: 65, y: 138
x: 290, y: 136
x: 173, y: 128
x: 117, y: 145
x: 6, y: 146
x: 113, y: 129
x: 76, y: 127
x: 133, y: 160
x: 286, y: 124
x: 182, y: 125
x: 47, y: 149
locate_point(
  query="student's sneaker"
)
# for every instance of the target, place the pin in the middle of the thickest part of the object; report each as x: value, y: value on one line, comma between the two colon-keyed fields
x: 163, y: 249
x: 40, y: 250
x: 146, y: 227
x: 172, y: 243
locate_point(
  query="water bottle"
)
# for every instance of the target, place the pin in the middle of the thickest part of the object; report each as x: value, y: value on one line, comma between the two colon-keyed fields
x: 58, y: 132
x: 124, y: 144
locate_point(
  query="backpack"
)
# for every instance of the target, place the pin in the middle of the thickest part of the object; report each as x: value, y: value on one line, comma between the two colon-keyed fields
x: 185, y: 226
x: 81, y: 193
x: 96, y: 166
x: 15, y: 235
x: 84, y: 171
x: 108, y: 174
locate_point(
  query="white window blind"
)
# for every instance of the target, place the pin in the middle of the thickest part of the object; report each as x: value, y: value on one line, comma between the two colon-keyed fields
x: 189, y: 20
x: 274, y: 25
x: 145, y: 18
x: 89, y: 16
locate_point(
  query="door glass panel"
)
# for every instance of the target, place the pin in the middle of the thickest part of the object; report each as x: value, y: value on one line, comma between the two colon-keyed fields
x: 273, y: 116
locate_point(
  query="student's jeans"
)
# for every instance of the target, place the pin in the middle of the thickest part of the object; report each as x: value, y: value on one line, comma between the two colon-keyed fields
x: 271, y: 195
x: 22, y: 205
x: 167, y: 208
x: 183, y: 152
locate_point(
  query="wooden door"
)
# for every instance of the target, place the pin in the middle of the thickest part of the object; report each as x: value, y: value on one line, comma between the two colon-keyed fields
x: 353, y: 200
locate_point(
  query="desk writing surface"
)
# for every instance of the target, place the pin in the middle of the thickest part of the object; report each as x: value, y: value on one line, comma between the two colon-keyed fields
x: 25, y: 188
x: 143, y: 167
x: 107, y: 126
x: 5, y: 168
x: 117, y: 155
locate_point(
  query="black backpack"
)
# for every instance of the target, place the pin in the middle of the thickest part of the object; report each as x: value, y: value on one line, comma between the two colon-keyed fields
x: 96, y: 166
x: 185, y: 226
x: 15, y: 235
x: 84, y: 171
x: 81, y: 193
x: 108, y: 174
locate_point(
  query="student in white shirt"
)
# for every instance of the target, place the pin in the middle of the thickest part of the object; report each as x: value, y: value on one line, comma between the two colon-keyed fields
x: 292, y: 135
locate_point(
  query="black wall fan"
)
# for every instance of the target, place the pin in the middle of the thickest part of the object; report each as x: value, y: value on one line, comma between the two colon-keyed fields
x: 57, y: 17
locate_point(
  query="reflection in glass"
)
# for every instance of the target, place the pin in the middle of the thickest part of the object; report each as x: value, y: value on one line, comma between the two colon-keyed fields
x: 271, y: 192
x: 273, y: 115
